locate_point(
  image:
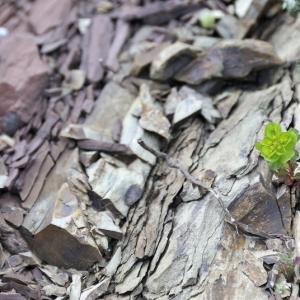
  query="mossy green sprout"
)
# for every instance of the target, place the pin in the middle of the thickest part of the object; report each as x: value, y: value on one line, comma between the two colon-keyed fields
x: 278, y: 146
x: 207, y: 19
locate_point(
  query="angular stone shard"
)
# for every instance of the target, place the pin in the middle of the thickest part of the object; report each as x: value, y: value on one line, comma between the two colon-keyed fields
x: 3, y: 174
x: 229, y: 265
x: 105, y: 147
x: 104, y: 222
x: 111, y: 268
x: 97, y: 43
x: 226, y: 101
x: 231, y: 59
x: 45, y: 16
x: 75, y: 287
x: 257, y: 208
x: 250, y: 11
x: 82, y: 132
x: 133, y: 279
x: 171, y: 60
x: 122, y: 32
x: 54, y: 290
x: 95, y: 291
x: 152, y: 117
x: 24, y: 76
x: 186, y: 108
x: 111, y: 182
x: 171, y: 102
x: 58, y: 230
x: 133, y: 131
x: 145, y: 58
x: 110, y: 108
x: 230, y: 27
x: 192, y: 102
x: 74, y: 81
x: 254, y: 269
x: 88, y: 157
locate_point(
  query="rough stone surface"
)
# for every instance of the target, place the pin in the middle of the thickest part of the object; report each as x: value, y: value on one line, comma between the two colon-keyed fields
x: 46, y: 17
x: 24, y: 76
x: 58, y: 231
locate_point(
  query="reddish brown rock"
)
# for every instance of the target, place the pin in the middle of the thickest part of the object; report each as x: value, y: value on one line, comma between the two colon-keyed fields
x: 23, y: 76
x: 96, y: 47
x: 46, y: 15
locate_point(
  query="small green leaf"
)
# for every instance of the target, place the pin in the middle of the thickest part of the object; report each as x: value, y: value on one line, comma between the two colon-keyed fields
x: 272, y: 129
x: 207, y: 19
x: 278, y: 147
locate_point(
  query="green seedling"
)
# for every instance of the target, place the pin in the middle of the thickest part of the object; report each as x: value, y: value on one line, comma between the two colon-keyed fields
x: 278, y: 148
x: 207, y: 19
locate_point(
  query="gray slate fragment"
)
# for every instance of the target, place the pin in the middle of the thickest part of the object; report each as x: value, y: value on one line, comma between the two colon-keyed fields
x: 230, y: 59
x: 193, y: 102
x: 171, y: 59
x: 97, y: 44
